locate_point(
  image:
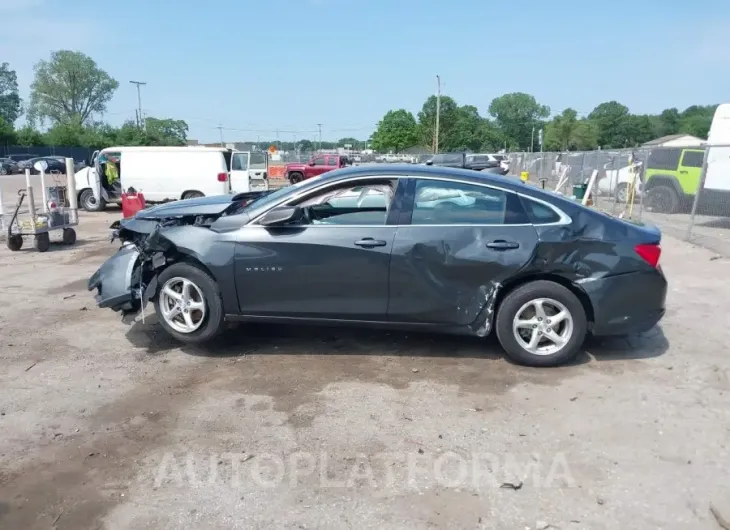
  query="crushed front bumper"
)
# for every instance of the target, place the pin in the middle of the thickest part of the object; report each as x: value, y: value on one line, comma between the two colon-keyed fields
x: 117, y: 281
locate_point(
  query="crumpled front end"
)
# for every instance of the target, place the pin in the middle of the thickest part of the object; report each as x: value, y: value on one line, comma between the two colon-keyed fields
x: 116, y: 279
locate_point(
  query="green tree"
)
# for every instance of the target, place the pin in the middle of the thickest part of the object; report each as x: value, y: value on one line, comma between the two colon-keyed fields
x: 668, y: 122
x: 610, y: 118
x: 10, y: 104
x: 696, y: 120
x: 29, y: 137
x: 517, y: 115
x: 70, y: 87
x: 166, y: 131
x: 305, y: 145
x: 395, y: 132
x: 448, y: 115
x: 7, y: 133
x: 349, y: 140
x: 70, y: 133
x: 466, y: 134
x: 566, y: 132
x: 491, y: 136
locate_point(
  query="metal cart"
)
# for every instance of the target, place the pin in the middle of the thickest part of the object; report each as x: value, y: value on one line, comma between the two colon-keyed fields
x: 59, y: 212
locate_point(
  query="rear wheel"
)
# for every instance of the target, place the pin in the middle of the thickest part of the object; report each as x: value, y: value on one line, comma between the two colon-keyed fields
x: 3, y: 170
x: 541, y: 323
x: 622, y: 193
x: 295, y: 177
x: 663, y: 199
x: 69, y: 236
x: 189, y: 304
x: 90, y: 203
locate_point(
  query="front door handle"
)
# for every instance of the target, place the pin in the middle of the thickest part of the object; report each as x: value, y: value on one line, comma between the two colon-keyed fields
x: 683, y: 172
x: 501, y: 244
x: 369, y: 242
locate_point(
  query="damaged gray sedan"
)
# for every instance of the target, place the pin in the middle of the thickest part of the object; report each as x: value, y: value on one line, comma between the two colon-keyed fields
x: 407, y: 247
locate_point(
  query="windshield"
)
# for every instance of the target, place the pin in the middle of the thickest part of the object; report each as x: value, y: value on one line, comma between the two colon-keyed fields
x: 272, y: 198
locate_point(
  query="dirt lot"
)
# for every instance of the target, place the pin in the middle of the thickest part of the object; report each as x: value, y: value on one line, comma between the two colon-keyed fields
x: 108, y: 426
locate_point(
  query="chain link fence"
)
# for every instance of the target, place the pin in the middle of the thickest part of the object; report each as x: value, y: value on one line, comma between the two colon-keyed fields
x: 683, y: 190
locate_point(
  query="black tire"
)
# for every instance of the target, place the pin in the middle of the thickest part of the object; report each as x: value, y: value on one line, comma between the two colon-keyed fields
x: 622, y: 188
x: 15, y: 243
x: 42, y: 242
x: 515, y: 300
x: 192, y: 195
x: 89, y: 203
x: 214, y: 322
x: 663, y: 199
x: 69, y: 236
x: 295, y: 177
x: 3, y: 170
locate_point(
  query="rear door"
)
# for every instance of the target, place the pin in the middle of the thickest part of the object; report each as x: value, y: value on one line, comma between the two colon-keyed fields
x: 258, y: 170
x: 333, y: 162
x: 456, y: 242
x: 239, y: 175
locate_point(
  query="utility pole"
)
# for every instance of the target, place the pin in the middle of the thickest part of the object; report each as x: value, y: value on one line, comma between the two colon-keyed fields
x: 139, y: 102
x: 532, y: 140
x: 438, y: 115
x: 320, y: 135
x: 220, y: 130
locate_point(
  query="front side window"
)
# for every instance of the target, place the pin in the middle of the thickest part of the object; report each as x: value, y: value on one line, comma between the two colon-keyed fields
x: 319, y: 161
x: 693, y: 158
x: 442, y: 202
x: 354, y: 204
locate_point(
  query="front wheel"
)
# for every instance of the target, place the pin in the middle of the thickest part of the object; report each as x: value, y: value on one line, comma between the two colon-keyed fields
x: 89, y: 203
x: 296, y: 177
x: 541, y: 323
x: 189, y: 304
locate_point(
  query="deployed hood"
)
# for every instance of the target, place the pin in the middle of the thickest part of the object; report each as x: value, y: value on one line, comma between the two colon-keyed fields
x: 214, y: 205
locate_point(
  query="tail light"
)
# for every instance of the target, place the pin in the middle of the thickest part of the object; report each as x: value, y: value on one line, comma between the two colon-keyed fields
x: 649, y: 253
x: 222, y: 177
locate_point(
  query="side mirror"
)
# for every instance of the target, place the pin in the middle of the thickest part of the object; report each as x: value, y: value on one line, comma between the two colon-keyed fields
x: 311, y: 163
x: 281, y: 215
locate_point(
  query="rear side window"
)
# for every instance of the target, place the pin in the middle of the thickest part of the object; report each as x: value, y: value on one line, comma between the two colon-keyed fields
x: 664, y: 158
x: 538, y: 213
x: 693, y: 158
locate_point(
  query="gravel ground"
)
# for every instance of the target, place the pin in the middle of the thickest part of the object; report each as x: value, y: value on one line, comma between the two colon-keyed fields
x: 108, y: 426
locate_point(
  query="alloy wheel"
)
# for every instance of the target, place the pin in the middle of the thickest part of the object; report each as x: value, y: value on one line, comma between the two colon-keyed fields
x: 543, y: 326
x: 182, y: 304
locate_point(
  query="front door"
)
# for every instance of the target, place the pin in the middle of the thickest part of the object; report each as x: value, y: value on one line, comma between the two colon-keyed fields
x: 317, y: 166
x: 457, y: 241
x: 332, y: 264
x: 239, y: 175
x: 690, y: 170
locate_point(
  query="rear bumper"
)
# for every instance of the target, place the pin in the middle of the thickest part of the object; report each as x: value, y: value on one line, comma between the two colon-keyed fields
x: 628, y: 303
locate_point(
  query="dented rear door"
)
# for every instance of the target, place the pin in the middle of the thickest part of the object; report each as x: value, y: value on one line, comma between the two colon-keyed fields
x: 454, y: 247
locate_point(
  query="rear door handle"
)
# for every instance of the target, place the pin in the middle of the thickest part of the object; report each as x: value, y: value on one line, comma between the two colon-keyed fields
x: 369, y: 242
x: 683, y: 172
x: 501, y: 244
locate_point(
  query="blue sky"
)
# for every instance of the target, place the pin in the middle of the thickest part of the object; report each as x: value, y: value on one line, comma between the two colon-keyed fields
x: 259, y: 67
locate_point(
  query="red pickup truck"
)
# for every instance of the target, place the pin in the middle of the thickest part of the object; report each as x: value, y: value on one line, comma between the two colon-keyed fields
x: 316, y: 166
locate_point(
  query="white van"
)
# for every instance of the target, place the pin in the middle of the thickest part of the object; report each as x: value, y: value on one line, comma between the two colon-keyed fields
x: 171, y: 173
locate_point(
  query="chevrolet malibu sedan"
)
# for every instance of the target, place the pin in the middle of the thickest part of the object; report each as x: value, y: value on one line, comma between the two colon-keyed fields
x: 408, y: 247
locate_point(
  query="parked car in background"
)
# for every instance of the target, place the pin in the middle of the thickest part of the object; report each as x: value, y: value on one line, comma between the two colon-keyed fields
x: 671, y: 177
x: 398, y: 246
x: 317, y: 165
x: 19, y: 157
x: 503, y: 161
x: 475, y: 162
x: 55, y: 164
x: 8, y: 166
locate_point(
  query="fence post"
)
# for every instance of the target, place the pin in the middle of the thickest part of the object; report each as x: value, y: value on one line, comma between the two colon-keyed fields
x: 700, y: 186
